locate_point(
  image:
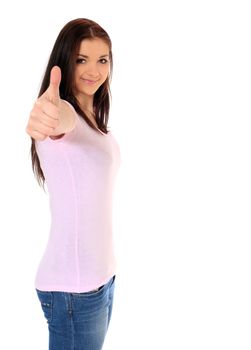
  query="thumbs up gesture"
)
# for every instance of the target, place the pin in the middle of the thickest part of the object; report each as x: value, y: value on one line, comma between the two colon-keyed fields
x: 52, y: 93
x: 50, y: 116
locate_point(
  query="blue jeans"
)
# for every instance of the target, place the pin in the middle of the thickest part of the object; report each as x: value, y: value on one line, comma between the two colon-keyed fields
x: 78, y: 321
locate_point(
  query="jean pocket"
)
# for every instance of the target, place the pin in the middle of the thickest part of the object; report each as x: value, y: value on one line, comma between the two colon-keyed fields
x: 46, y: 302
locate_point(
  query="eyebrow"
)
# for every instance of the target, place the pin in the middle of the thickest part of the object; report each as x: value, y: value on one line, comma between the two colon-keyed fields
x: 85, y: 56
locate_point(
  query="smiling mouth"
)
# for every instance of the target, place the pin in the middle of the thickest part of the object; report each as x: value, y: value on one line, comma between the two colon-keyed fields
x: 90, y: 81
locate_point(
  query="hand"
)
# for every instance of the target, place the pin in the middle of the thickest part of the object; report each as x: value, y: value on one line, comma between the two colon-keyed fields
x: 44, y: 116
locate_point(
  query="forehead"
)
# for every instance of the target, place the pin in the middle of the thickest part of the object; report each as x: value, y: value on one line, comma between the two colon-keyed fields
x: 94, y: 47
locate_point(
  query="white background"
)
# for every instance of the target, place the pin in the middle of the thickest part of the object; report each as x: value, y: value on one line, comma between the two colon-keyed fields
x: 181, y: 114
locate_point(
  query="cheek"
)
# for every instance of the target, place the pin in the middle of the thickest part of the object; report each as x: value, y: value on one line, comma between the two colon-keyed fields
x: 105, y: 69
x: 77, y: 73
x: 77, y: 77
x: 105, y: 75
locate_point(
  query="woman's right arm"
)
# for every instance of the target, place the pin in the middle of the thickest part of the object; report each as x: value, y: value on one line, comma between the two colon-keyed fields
x: 50, y: 115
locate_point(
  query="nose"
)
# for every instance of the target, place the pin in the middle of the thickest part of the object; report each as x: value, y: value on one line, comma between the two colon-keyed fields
x: 92, y: 71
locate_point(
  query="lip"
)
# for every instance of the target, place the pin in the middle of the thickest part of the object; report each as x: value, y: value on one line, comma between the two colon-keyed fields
x: 87, y: 81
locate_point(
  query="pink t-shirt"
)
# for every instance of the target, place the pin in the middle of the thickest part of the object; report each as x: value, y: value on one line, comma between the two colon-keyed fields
x: 80, y: 171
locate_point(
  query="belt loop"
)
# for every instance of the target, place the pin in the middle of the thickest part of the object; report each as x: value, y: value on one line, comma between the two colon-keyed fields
x: 68, y: 302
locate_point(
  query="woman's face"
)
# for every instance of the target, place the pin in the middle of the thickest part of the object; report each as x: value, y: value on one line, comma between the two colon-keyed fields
x: 92, y: 67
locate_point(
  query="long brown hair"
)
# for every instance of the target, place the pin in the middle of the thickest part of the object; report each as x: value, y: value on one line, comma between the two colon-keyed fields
x: 63, y: 55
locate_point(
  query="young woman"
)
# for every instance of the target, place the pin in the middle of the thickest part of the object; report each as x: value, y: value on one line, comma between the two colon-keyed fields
x: 77, y: 157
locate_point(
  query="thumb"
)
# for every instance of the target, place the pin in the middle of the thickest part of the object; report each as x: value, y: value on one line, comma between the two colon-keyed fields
x: 53, y: 89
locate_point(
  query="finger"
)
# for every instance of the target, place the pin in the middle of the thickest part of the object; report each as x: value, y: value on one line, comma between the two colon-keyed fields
x: 45, y: 112
x: 40, y: 127
x: 36, y: 135
x: 42, y: 123
x: 52, y: 92
x: 48, y: 108
x: 48, y: 121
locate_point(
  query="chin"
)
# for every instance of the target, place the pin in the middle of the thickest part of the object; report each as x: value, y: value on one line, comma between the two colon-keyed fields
x: 89, y: 93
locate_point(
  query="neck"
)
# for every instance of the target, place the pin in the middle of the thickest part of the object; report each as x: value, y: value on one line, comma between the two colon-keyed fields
x: 86, y: 104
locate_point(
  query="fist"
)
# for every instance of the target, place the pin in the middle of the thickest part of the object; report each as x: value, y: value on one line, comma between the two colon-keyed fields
x: 44, y: 116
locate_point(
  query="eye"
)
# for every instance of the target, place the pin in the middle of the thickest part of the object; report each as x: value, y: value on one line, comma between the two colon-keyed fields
x: 104, y: 60
x: 80, y: 60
